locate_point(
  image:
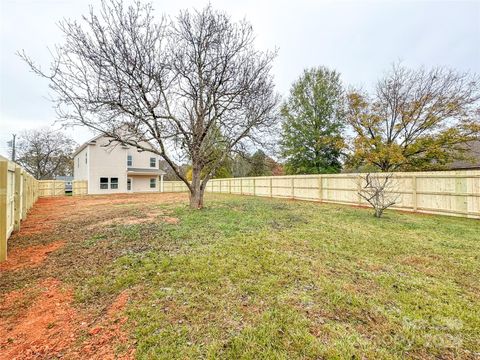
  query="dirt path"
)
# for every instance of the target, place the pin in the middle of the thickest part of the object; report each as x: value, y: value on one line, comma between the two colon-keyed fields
x: 41, y: 320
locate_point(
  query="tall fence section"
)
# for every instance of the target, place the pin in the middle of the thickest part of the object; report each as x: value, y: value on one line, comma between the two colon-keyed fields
x: 454, y: 193
x: 49, y: 188
x: 18, y: 193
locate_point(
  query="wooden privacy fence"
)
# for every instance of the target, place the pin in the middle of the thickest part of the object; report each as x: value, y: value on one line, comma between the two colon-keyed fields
x: 79, y: 187
x: 57, y: 187
x: 51, y: 188
x: 18, y: 193
x: 446, y: 192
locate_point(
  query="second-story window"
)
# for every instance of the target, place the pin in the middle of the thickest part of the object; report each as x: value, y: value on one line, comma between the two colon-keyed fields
x: 153, y: 162
x: 129, y: 160
x: 85, y: 158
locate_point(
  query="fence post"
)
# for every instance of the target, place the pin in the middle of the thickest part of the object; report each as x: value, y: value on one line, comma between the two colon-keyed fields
x: 414, y: 192
x: 271, y: 188
x: 320, y: 192
x: 254, y: 182
x: 359, y: 189
x: 3, y: 208
x: 17, y: 199
x: 293, y: 188
x: 26, y: 194
x: 229, y: 186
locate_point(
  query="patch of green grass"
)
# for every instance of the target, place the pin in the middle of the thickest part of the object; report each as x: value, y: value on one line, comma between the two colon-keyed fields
x: 261, y: 278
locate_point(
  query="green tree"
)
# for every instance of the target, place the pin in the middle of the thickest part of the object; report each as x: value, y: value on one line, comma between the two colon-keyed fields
x: 313, y: 116
x: 415, y: 119
x: 259, y: 165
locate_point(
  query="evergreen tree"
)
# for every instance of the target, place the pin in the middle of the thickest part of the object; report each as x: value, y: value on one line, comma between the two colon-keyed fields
x: 313, y: 121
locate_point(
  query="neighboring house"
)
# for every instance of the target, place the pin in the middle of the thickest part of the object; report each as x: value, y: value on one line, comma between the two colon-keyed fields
x: 473, y: 155
x: 116, y: 168
x: 68, y: 182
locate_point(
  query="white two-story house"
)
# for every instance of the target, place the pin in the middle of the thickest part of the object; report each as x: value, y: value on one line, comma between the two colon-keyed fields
x: 116, y: 168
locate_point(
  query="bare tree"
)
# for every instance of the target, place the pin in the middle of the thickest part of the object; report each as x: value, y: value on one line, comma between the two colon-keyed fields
x: 379, y: 191
x: 45, y: 153
x: 195, y: 87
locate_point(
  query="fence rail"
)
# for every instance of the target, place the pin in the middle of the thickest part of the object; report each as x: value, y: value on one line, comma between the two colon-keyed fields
x: 18, y: 193
x: 454, y: 193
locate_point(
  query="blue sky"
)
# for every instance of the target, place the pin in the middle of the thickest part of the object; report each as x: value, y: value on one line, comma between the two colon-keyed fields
x: 360, y: 39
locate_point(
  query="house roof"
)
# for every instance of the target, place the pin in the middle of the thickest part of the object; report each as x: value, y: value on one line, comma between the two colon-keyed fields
x: 92, y: 141
x: 85, y: 144
x: 473, y: 152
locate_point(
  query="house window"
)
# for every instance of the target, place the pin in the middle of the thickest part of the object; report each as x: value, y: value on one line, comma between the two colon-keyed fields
x: 103, y: 183
x: 129, y: 184
x: 78, y: 162
x: 113, y: 183
x: 129, y: 160
x: 153, y: 183
x: 153, y: 162
x: 85, y: 158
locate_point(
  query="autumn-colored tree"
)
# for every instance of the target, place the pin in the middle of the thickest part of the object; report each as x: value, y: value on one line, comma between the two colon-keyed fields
x: 313, y: 116
x: 415, y: 120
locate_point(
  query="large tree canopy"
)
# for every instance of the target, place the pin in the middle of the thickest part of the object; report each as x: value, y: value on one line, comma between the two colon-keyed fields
x: 194, y: 87
x: 45, y: 153
x: 415, y: 120
x: 313, y: 122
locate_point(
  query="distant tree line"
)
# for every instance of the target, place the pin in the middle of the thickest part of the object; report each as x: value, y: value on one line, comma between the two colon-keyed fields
x: 413, y: 120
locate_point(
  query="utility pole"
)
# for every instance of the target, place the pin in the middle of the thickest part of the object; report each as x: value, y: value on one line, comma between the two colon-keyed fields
x: 11, y: 144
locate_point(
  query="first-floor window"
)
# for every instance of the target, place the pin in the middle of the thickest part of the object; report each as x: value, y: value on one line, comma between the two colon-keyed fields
x: 113, y: 183
x: 103, y: 183
x: 153, y: 183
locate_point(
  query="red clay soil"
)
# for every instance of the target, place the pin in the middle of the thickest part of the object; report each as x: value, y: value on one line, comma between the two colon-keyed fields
x: 109, y: 333
x: 44, y: 329
x: 50, y: 327
x: 46, y: 213
x: 30, y: 256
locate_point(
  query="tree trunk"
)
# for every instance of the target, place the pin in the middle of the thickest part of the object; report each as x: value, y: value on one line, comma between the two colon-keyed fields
x: 197, y: 191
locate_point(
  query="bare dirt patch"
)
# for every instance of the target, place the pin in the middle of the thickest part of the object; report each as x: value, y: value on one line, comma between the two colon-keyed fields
x: 108, y: 334
x: 49, y: 327
x: 29, y: 256
x: 44, y: 329
x: 151, y: 216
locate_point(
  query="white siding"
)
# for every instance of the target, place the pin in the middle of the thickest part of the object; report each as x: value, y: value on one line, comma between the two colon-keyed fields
x: 142, y: 183
x: 142, y: 159
x: 109, y: 162
x: 80, y: 168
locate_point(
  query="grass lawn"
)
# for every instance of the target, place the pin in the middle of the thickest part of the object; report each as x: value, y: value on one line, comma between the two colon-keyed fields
x: 254, y: 278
